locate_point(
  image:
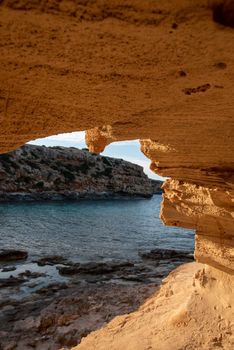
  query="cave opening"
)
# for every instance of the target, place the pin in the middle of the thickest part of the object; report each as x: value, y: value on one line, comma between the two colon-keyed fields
x: 60, y: 249
x: 57, y: 247
x: 126, y: 150
x: 97, y: 226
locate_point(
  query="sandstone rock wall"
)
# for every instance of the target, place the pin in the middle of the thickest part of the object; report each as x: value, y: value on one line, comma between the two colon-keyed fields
x: 158, y: 71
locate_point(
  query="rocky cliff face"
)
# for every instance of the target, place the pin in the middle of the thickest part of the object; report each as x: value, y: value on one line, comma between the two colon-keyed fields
x: 39, y: 172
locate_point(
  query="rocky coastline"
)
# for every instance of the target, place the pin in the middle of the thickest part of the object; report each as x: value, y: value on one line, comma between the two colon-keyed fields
x: 39, y: 173
x: 56, y: 314
x: 68, y: 196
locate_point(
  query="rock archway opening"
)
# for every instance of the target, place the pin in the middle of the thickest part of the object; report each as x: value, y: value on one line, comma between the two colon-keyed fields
x: 82, y: 253
x: 156, y: 71
x: 53, y: 168
x: 126, y: 150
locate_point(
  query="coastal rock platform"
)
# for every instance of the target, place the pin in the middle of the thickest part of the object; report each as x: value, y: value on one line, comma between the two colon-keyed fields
x: 36, y: 313
x: 191, y: 311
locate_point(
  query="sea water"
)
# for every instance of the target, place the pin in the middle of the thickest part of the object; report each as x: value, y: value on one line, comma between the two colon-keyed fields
x: 91, y: 230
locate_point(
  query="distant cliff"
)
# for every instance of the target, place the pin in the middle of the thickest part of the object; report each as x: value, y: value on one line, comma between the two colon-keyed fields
x: 53, y: 173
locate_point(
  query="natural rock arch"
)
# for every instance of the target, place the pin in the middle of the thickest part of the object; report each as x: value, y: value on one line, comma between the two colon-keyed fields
x: 158, y: 71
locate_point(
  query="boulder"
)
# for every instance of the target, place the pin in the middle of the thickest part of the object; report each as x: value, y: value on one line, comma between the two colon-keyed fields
x: 29, y: 274
x: 12, y: 255
x: 51, y: 260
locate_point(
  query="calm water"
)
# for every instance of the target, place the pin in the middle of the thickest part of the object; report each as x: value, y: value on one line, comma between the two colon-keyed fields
x: 89, y: 230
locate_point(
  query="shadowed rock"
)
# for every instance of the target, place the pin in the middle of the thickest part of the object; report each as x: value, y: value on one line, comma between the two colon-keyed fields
x: 93, y: 268
x: 51, y: 260
x: 11, y: 281
x: 29, y: 274
x: 223, y: 13
x: 166, y: 254
x: 8, y: 268
x: 12, y: 255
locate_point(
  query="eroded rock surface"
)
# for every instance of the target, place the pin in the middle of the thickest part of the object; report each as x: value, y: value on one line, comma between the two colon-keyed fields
x: 60, y: 315
x: 158, y: 71
x: 54, y: 315
x: 193, y: 310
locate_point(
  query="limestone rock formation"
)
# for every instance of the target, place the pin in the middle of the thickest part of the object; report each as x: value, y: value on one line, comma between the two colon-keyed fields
x: 160, y: 71
x: 39, y: 172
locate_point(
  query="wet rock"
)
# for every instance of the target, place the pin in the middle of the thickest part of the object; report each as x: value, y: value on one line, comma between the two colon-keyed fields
x: 68, y: 270
x: 10, y: 346
x: 70, y: 338
x: 8, y: 268
x: 32, y: 285
x: 62, y: 319
x: 52, y: 288
x: 26, y: 324
x: 94, y: 268
x: 12, y: 255
x: 51, y: 260
x: 165, y: 254
x: 7, y: 308
x: 29, y: 274
x: 11, y: 281
x: 134, y: 278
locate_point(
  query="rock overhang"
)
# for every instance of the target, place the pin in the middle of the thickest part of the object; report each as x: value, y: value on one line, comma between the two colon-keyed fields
x: 160, y: 72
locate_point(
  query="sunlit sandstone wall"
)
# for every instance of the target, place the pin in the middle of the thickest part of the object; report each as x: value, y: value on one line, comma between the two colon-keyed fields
x: 161, y: 71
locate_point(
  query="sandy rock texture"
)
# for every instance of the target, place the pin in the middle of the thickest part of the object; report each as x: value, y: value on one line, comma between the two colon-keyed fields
x: 135, y: 69
x: 158, y: 71
x: 193, y: 310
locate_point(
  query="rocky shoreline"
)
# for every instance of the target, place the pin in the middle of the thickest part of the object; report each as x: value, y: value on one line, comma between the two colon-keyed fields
x: 83, y: 297
x: 39, y: 173
x: 69, y: 196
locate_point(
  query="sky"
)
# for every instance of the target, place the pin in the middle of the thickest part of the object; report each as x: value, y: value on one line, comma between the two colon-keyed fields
x: 127, y: 150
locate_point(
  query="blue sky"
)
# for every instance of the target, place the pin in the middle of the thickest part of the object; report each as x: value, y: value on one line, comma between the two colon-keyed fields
x: 128, y: 150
